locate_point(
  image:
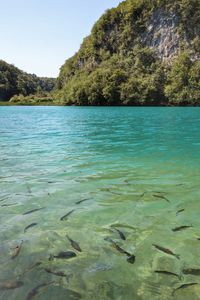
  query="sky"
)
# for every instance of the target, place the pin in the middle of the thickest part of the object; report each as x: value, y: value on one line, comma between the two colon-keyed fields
x: 37, y: 36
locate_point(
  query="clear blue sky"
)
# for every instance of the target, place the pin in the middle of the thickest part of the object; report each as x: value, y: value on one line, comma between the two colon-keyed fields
x: 39, y: 35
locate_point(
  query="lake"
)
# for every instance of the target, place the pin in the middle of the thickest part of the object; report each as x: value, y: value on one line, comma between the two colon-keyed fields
x: 109, y: 178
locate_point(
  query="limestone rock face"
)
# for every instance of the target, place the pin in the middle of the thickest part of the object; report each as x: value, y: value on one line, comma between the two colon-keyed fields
x: 162, y: 34
x: 133, y: 54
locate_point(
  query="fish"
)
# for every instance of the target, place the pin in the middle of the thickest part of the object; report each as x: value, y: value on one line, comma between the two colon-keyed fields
x: 28, y: 188
x: 57, y: 273
x: 183, y: 286
x: 32, y: 267
x: 142, y: 195
x: 131, y: 259
x: 74, y: 244
x: 35, y: 290
x: 122, y: 225
x: 191, y: 271
x: 115, y: 193
x: 29, y: 226
x: 119, y: 249
x: 108, y: 190
x: 11, y: 204
x: 161, y: 197
x: 179, y: 211
x: 65, y: 216
x: 181, y: 228
x: 167, y: 273
x: 33, y: 210
x: 3, y: 199
x: 63, y: 255
x: 79, y: 202
x: 10, y: 284
x: 126, y: 181
x: 168, y: 251
x: 16, y: 250
x: 121, y: 234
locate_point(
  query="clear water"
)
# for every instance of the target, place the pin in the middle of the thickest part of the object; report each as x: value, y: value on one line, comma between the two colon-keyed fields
x: 118, y: 159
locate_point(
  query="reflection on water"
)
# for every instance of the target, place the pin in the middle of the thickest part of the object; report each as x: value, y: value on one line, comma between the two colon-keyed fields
x: 111, y: 181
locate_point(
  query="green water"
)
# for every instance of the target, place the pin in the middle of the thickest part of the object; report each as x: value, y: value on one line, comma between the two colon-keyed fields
x: 118, y: 159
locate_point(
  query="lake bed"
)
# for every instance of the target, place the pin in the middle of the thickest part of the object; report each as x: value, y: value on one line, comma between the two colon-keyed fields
x: 108, y: 170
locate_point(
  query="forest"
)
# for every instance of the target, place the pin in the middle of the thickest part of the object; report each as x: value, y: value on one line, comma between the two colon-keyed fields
x: 140, y: 53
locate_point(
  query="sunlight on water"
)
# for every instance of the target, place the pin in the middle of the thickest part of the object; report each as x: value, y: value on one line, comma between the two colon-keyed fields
x: 124, y: 178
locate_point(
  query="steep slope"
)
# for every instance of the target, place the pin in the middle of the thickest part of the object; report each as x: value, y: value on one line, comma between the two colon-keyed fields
x: 141, y: 53
x: 14, y: 82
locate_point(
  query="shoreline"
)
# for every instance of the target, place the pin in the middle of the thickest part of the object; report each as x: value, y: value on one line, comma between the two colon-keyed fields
x: 7, y: 103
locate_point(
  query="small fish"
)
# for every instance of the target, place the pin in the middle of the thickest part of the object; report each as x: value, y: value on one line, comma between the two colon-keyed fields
x: 181, y: 228
x: 108, y: 190
x: 131, y: 259
x: 10, y: 284
x: 36, y: 290
x: 166, y: 251
x: 16, y: 250
x: 11, y: 204
x: 74, y: 244
x: 29, y: 226
x: 121, y: 234
x: 56, y: 273
x: 119, y: 249
x: 167, y: 273
x: 65, y: 216
x: 79, y: 202
x: 63, y: 255
x: 142, y: 195
x: 122, y: 225
x: 191, y: 271
x: 183, y: 286
x: 28, y: 188
x: 3, y: 199
x: 161, y: 197
x: 179, y: 211
x: 33, y: 210
x: 115, y: 193
x: 31, y: 268
x: 126, y: 181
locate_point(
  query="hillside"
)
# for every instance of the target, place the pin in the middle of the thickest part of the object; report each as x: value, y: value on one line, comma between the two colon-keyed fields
x: 144, y: 52
x: 16, y: 82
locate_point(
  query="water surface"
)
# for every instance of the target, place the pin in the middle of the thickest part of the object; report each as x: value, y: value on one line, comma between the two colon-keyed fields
x: 118, y: 160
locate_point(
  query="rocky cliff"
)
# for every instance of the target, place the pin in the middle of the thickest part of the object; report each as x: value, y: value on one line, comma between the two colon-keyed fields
x: 141, y: 53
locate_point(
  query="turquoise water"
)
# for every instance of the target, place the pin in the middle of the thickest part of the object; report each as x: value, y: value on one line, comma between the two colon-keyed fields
x: 136, y: 167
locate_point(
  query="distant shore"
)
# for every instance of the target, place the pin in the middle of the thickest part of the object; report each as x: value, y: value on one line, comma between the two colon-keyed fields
x: 7, y: 103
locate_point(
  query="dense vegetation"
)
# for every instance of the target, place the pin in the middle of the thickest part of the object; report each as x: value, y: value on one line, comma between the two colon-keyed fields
x: 115, y: 66
x: 16, y: 82
x: 121, y: 62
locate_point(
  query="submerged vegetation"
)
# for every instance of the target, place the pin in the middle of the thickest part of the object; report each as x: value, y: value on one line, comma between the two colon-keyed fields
x: 141, y: 53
